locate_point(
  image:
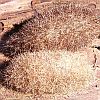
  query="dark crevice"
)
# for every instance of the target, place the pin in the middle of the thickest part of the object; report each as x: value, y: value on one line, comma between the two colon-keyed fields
x: 3, y: 67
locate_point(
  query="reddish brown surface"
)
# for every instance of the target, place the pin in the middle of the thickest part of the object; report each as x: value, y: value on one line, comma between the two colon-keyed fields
x: 93, y: 93
x: 4, y: 1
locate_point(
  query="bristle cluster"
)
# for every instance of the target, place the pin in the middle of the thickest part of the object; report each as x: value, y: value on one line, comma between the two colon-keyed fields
x: 53, y: 26
x: 49, y: 72
x: 44, y: 49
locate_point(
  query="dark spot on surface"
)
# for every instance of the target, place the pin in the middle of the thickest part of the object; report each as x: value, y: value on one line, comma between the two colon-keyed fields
x: 99, y: 37
x: 98, y: 47
x: 1, y: 26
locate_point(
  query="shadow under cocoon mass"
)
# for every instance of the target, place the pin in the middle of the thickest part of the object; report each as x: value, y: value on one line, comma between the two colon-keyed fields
x: 1, y: 26
x: 3, y: 66
x: 7, y: 35
x: 16, y: 28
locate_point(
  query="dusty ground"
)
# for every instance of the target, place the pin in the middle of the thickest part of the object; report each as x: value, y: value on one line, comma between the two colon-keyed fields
x: 8, y: 18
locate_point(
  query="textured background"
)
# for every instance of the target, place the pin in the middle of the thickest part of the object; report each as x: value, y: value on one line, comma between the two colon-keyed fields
x: 93, y: 93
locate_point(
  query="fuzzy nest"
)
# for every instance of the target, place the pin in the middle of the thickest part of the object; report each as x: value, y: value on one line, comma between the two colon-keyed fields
x: 54, y: 26
x: 50, y: 72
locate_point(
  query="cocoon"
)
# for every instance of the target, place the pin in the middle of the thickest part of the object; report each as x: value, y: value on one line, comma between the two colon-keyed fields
x: 49, y: 72
x: 53, y: 26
